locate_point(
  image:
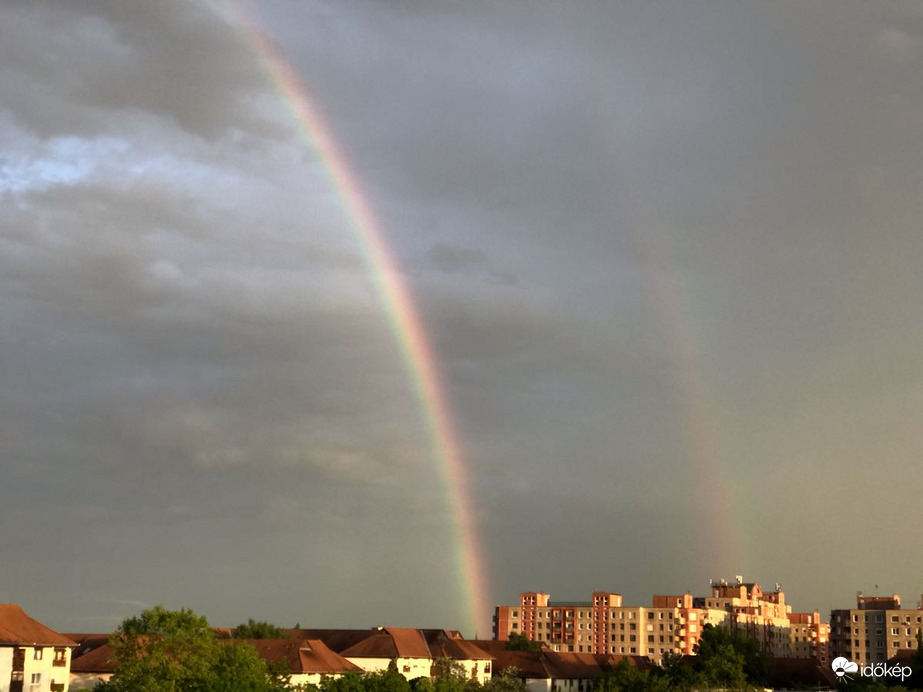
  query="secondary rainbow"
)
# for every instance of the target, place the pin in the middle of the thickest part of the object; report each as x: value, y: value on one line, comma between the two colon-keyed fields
x: 403, y: 316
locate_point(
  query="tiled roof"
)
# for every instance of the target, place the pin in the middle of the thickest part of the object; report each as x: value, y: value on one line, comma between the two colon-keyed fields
x: 375, y: 645
x: 379, y: 642
x: 18, y: 628
x: 86, y: 641
x: 450, y: 644
x: 336, y: 639
x: 409, y: 642
x: 557, y: 665
x: 302, y: 656
x: 100, y: 659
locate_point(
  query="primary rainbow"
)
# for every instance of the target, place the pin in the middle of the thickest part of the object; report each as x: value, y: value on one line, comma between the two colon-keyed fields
x: 403, y: 316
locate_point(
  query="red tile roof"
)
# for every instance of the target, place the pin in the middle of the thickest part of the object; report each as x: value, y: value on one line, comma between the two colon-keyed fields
x: 18, y: 628
x: 379, y: 642
x: 302, y: 656
x: 450, y: 644
x: 100, y: 659
x: 409, y: 642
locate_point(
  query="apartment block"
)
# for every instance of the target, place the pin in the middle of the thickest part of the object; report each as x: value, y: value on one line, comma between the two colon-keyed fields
x: 672, y: 624
x: 876, y: 630
x: 810, y: 638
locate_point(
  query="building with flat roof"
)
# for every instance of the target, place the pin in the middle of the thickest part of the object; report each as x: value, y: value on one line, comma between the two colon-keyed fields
x: 876, y: 630
x: 671, y: 625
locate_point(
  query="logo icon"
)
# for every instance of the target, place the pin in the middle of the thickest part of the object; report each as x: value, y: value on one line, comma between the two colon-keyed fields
x: 842, y: 667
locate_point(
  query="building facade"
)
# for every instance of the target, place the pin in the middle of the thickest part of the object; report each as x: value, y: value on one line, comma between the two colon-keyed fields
x: 32, y: 656
x: 876, y: 630
x: 671, y: 625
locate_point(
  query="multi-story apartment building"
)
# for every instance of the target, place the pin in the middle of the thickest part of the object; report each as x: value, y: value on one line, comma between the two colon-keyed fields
x: 875, y: 630
x: 810, y: 638
x: 761, y: 616
x: 673, y: 624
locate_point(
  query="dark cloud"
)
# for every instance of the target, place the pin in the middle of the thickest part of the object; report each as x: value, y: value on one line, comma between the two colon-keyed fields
x: 665, y: 254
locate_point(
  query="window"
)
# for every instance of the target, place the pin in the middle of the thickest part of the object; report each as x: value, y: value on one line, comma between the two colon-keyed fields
x: 36, y: 678
x: 38, y: 653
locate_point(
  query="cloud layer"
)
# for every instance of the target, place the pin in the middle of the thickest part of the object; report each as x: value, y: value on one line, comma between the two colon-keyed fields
x: 666, y: 255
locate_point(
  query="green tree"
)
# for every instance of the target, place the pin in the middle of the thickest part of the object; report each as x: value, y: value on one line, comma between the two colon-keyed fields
x: 348, y: 682
x: 164, y: 650
x: 627, y: 678
x: 258, y: 629
x: 730, y: 659
x: 723, y: 668
x: 677, y: 673
x: 422, y: 684
x: 520, y: 642
x: 386, y: 681
x: 507, y: 680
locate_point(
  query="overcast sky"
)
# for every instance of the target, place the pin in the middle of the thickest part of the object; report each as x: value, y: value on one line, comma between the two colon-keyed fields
x: 668, y: 255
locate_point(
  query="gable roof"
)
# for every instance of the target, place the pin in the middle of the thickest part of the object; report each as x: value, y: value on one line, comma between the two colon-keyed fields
x: 301, y: 656
x: 18, y: 628
x: 378, y: 642
x: 100, y: 659
x: 450, y: 644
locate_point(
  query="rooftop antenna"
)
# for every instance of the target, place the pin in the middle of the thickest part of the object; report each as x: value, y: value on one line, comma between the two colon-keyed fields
x: 778, y: 586
x: 739, y: 578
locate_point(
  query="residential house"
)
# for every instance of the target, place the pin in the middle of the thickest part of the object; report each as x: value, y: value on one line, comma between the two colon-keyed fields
x: 32, y: 656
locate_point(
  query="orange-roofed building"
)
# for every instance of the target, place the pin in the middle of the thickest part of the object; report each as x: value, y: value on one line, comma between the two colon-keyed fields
x: 413, y: 651
x: 306, y: 660
x: 32, y: 657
